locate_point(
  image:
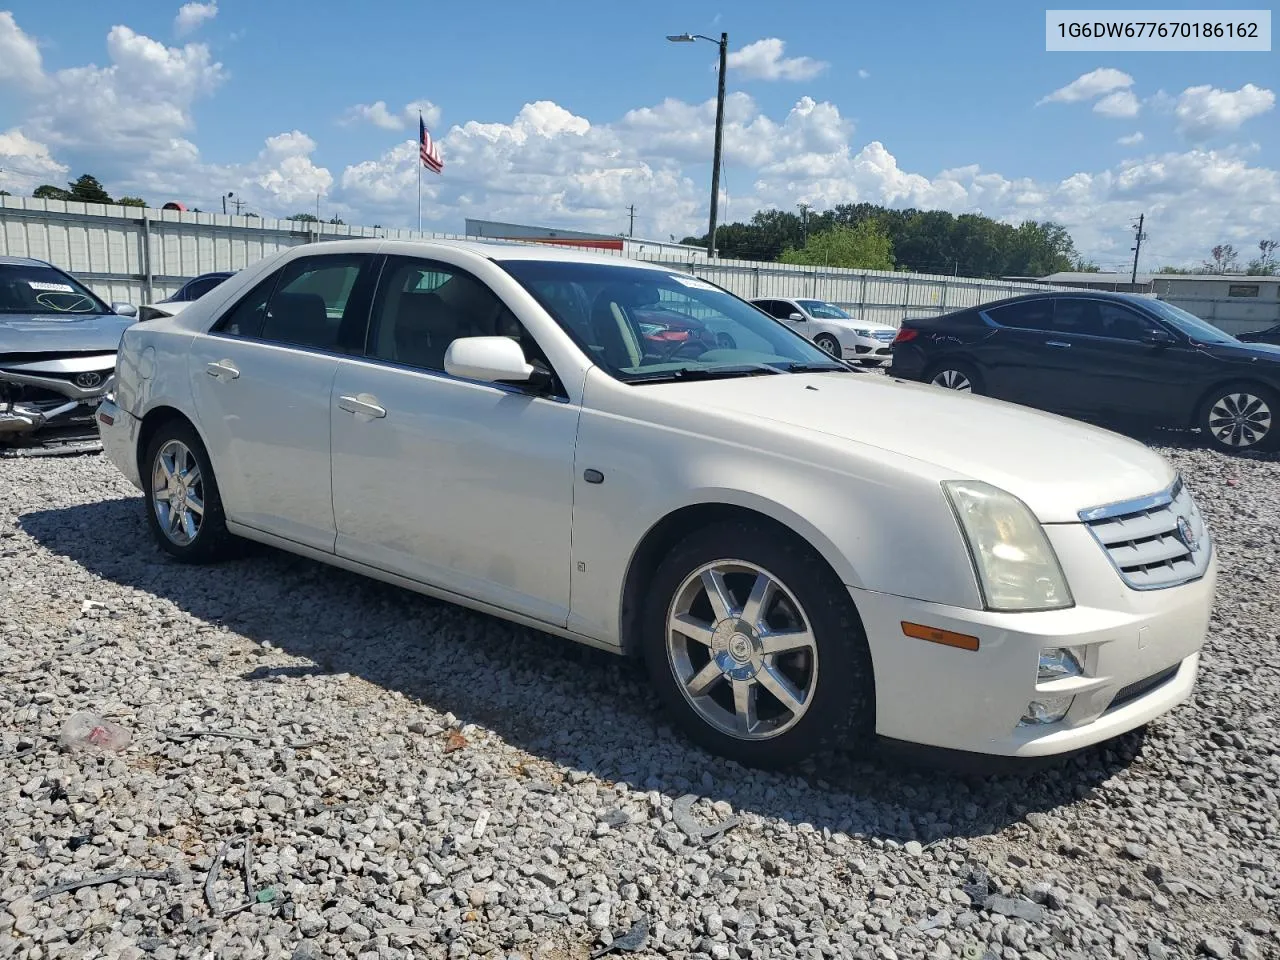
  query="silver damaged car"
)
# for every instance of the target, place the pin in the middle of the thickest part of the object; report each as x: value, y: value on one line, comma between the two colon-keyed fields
x: 58, y: 345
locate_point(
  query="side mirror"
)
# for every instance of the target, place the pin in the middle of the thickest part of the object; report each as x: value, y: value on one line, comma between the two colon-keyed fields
x: 1159, y: 338
x: 124, y: 309
x: 492, y: 360
x: 796, y: 316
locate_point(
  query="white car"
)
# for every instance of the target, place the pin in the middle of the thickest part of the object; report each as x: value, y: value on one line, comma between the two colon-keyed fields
x: 833, y: 330
x: 485, y: 423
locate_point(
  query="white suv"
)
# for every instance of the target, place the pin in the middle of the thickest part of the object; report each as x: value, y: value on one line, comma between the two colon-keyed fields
x: 832, y: 329
x: 805, y: 555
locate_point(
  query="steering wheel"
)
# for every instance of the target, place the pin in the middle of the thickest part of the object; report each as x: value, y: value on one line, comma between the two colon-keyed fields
x: 683, y: 345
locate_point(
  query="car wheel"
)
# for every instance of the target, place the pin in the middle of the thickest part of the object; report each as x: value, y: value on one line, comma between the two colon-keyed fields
x: 1240, y: 417
x: 756, y: 648
x: 957, y: 376
x: 184, y: 509
x: 725, y: 341
x: 828, y: 344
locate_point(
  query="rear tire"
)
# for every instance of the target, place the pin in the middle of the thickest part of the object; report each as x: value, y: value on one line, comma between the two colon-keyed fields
x: 777, y: 667
x: 955, y: 375
x: 1241, y: 417
x: 184, y: 508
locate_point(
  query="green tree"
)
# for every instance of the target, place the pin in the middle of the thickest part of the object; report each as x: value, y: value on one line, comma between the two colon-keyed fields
x: 1085, y: 266
x: 131, y: 202
x: 87, y: 189
x: 866, y: 246
x: 305, y: 217
x: 1265, y: 263
x: 337, y: 220
x: 47, y: 191
x: 5, y: 193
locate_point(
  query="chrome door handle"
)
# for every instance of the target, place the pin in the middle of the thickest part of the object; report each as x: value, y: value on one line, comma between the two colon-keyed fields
x: 222, y: 368
x: 1056, y: 343
x: 364, y: 404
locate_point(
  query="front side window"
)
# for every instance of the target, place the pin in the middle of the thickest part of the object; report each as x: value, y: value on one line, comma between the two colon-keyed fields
x: 1121, y: 323
x: 423, y: 306
x: 1188, y: 323
x: 821, y: 310
x: 38, y: 289
x: 612, y: 312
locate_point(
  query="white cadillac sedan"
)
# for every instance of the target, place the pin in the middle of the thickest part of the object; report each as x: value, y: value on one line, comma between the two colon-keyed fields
x: 486, y: 423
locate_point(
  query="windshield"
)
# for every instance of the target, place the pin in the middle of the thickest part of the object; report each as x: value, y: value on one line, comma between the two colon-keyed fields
x: 644, y: 325
x: 39, y: 289
x: 821, y: 310
x: 1189, y: 323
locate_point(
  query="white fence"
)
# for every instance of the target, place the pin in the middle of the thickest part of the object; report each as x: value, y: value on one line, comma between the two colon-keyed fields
x: 142, y: 255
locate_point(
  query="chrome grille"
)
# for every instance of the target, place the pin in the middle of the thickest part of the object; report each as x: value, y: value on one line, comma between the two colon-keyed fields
x: 885, y: 335
x: 1154, y: 542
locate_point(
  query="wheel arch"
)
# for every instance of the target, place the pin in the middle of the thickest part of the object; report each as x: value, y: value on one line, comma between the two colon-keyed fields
x: 152, y: 421
x: 663, y: 535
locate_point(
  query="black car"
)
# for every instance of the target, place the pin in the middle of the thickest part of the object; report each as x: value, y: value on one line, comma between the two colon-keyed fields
x: 197, y: 287
x: 1108, y: 357
x: 1269, y: 335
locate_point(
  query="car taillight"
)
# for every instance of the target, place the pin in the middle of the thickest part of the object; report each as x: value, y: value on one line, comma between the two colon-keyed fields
x: 675, y: 335
x: 905, y: 334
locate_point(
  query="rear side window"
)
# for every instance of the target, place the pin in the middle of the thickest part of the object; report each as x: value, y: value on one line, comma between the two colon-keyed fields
x: 1028, y: 315
x: 245, y: 318
x: 310, y: 302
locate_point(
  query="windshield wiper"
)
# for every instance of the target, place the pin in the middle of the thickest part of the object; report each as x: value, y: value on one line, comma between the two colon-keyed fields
x: 801, y: 366
x: 706, y: 373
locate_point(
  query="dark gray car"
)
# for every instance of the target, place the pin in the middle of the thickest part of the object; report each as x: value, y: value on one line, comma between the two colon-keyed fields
x: 58, y: 344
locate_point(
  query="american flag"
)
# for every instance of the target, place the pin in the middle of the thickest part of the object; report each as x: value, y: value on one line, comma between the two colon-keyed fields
x: 427, y: 149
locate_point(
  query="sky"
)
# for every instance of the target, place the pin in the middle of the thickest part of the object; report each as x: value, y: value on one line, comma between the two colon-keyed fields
x: 567, y: 113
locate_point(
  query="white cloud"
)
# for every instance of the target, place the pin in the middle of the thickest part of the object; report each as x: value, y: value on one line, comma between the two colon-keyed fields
x: 1204, y: 110
x: 25, y: 164
x: 1132, y: 139
x: 19, y: 55
x: 191, y: 16
x: 1120, y: 104
x: 764, y: 60
x: 863, y: 74
x: 1087, y: 86
x: 380, y: 115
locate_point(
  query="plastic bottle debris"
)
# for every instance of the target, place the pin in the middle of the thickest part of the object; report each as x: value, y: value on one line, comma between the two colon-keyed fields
x: 85, y: 730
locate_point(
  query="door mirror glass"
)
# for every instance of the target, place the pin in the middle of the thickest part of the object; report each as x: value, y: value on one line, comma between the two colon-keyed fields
x: 490, y: 359
x: 124, y: 309
x: 796, y: 316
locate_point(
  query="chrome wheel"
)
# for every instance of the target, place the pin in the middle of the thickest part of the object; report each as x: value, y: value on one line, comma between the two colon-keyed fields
x: 1240, y: 420
x: 177, y: 493
x: 952, y: 380
x: 742, y: 650
x: 828, y: 345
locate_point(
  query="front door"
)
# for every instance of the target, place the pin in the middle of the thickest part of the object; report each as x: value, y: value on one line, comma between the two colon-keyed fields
x: 261, y: 380
x: 462, y: 485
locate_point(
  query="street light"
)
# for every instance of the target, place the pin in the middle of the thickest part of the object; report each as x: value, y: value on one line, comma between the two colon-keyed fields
x: 723, y: 44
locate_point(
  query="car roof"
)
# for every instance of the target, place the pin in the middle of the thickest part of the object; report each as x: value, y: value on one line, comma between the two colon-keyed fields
x: 496, y: 250
x: 23, y: 262
x: 1131, y: 298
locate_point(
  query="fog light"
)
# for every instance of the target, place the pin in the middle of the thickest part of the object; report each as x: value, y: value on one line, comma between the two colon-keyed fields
x: 1046, y: 710
x: 1059, y: 662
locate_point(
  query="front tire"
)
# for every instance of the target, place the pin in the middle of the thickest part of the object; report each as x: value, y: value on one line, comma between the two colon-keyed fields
x: 1241, y: 417
x: 756, y: 648
x: 184, y: 508
x: 828, y: 344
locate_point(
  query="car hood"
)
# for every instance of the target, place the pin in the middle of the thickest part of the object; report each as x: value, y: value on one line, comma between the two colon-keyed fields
x: 45, y: 333
x: 1267, y: 354
x: 1057, y: 466
x: 852, y: 325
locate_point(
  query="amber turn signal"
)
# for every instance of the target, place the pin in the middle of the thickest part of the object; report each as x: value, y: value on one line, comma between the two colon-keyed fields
x: 920, y: 632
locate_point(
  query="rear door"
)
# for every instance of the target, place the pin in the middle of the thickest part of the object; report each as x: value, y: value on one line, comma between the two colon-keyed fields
x: 1028, y: 361
x: 261, y: 380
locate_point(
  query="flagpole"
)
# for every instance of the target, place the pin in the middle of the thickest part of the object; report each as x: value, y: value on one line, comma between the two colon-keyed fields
x: 419, y: 165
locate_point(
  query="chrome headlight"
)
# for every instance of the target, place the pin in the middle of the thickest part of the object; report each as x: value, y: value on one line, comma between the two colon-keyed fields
x: 1016, y: 567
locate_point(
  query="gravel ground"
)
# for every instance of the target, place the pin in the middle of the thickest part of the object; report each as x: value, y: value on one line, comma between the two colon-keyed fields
x: 414, y: 780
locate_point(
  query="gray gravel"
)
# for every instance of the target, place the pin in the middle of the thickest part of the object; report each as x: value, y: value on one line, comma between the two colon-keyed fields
x: 419, y: 781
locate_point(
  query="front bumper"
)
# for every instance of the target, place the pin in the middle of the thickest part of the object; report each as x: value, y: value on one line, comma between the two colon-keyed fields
x: 118, y: 430
x: 1141, y: 654
x: 867, y: 350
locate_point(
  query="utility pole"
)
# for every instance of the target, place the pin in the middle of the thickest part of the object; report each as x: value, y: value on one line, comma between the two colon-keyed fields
x: 715, y: 164
x: 631, y: 230
x: 1139, y: 236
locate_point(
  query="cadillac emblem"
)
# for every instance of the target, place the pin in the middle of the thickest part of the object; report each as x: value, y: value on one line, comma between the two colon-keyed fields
x: 1186, y: 535
x: 88, y: 380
